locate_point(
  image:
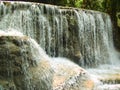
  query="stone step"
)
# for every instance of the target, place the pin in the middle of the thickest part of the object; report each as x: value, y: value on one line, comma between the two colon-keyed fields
x: 110, y: 78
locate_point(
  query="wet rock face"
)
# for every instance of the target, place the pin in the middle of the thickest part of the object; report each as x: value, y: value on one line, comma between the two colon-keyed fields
x: 116, y: 31
x: 118, y: 19
x: 71, y: 39
x: 20, y: 69
x: 10, y: 55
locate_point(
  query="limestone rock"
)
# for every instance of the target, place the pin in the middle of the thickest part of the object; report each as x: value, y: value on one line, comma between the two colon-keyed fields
x: 69, y: 76
x: 18, y: 68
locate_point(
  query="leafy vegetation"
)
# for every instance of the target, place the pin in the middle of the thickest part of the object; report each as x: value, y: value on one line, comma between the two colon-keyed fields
x: 100, y: 5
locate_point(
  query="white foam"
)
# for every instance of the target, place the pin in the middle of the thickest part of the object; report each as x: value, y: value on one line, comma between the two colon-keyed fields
x: 37, y: 52
x: 10, y: 32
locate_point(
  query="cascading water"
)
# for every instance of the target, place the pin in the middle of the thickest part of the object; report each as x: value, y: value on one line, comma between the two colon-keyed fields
x: 77, y: 34
x: 95, y: 36
x: 21, y: 60
x: 81, y: 35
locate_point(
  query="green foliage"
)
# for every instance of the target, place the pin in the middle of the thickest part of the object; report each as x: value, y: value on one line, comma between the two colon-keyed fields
x: 100, y: 5
x: 69, y: 3
x: 79, y: 3
x: 93, y: 4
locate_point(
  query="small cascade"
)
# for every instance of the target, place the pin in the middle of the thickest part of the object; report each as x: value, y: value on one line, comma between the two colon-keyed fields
x: 26, y: 66
x: 22, y: 57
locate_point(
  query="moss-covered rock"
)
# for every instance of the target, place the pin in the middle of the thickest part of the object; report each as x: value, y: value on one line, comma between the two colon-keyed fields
x: 118, y: 19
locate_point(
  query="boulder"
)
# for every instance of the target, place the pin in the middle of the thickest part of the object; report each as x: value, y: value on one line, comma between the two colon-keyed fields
x: 25, y: 66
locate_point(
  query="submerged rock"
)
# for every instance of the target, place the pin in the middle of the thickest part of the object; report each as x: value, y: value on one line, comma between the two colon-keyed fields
x: 25, y: 66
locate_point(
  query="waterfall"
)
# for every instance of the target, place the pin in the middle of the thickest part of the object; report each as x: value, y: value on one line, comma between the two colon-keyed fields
x: 83, y: 36
x: 95, y: 37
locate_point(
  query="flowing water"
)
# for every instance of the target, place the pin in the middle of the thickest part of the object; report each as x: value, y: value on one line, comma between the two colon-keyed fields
x: 81, y: 35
